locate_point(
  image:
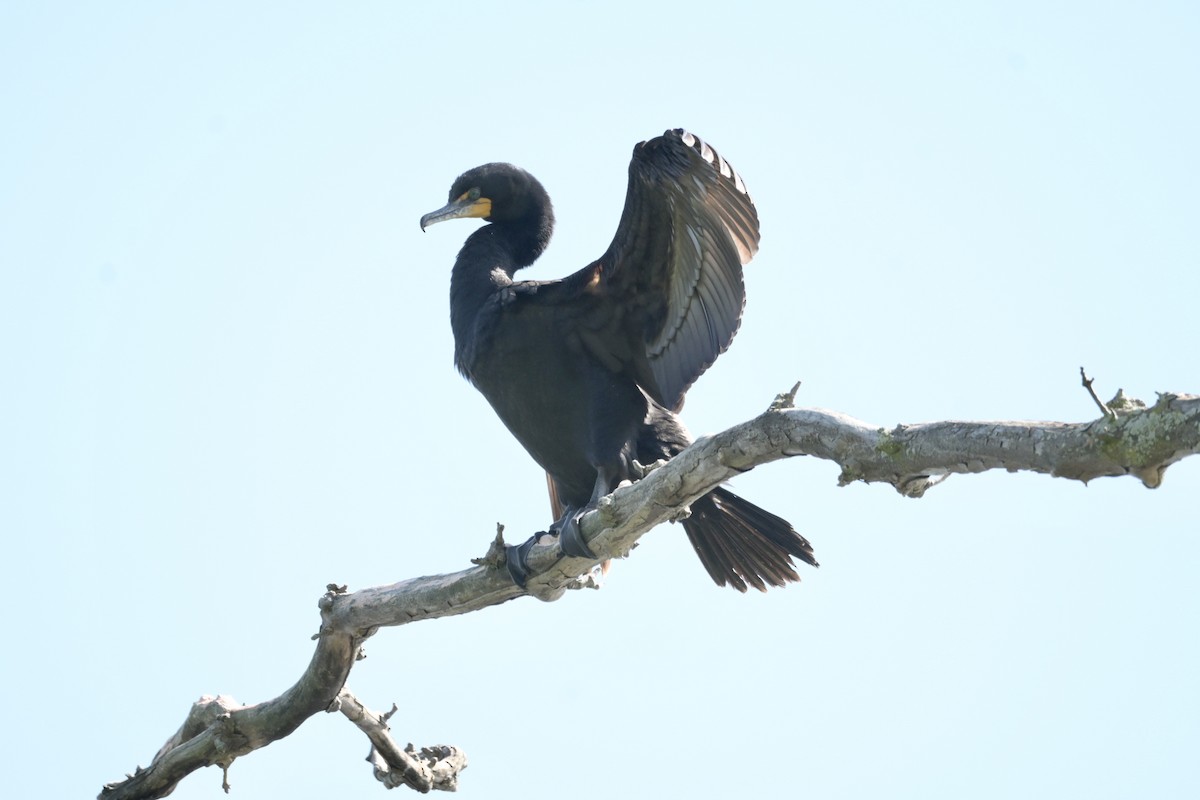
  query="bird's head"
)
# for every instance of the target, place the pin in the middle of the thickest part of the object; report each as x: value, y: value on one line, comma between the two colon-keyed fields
x: 496, y: 193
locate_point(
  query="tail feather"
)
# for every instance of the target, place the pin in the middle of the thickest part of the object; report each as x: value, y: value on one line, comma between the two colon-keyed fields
x: 741, y: 544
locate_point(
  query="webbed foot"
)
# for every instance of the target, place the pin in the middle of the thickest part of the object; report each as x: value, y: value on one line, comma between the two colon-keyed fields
x: 570, y: 537
x: 516, y: 558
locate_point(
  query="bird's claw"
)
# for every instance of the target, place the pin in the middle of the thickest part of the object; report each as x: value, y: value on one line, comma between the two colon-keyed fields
x: 570, y: 541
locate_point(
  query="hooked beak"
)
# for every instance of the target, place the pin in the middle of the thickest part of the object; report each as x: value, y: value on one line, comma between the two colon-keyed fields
x: 462, y: 208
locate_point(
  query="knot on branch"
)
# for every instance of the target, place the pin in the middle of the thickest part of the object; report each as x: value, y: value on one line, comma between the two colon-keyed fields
x: 785, y: 400
x: 1123, y: 404
x: 494, y: 557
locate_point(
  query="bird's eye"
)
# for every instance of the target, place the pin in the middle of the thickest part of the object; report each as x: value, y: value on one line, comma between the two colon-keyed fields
x: 473, y: 194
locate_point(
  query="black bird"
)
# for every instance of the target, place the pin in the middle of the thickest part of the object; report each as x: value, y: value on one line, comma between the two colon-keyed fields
x: 589, y: 371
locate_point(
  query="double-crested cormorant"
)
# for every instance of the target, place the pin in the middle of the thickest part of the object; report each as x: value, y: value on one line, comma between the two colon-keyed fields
x: 588, y: 371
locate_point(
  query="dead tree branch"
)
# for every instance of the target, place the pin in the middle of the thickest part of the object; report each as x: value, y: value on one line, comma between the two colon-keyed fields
x: 432, y: 768
x: 1130, y: 439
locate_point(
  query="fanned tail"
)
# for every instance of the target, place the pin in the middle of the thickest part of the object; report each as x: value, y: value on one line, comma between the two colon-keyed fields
x: 741, y: 544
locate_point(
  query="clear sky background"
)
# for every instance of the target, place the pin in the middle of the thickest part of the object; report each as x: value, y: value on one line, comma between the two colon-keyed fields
x: 227, y: 381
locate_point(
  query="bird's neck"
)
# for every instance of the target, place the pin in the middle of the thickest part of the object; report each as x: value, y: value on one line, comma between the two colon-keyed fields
x: 485, y: 265
x: 522, y: 240
x: 492, y: 254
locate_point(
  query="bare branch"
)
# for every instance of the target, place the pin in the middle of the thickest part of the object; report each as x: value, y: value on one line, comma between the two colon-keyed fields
x: 217, y: 730
x: 432, y: 768
x: 1087, y: 384
x: 1130, y: 439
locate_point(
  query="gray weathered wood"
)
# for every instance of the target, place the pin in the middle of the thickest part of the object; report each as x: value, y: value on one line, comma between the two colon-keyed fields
x: 1130, y: 439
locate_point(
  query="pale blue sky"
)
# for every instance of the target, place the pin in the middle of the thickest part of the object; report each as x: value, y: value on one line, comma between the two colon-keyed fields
x: 228, y: 382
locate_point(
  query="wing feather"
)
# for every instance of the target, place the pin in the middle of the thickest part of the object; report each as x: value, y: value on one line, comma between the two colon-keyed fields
x: 675, y: 263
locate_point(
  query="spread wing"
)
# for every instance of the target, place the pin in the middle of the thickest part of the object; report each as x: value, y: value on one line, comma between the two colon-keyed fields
x: 675, y: 264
